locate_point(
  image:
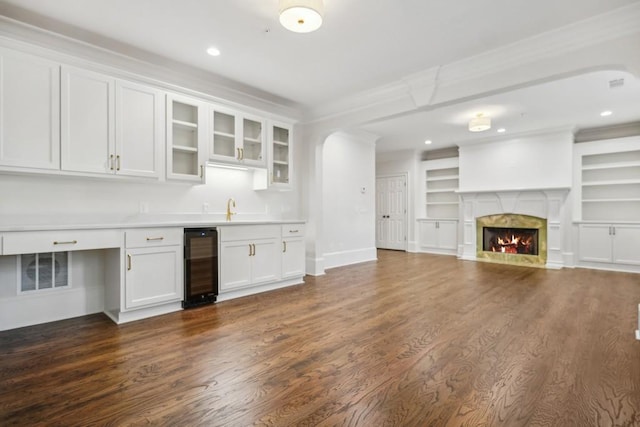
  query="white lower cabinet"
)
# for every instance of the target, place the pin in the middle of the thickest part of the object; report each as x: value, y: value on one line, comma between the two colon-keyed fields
x: 248, y: 262
x: 267, y: 256
x: 438, y: 236
x: 293, y: 247
x: 610, y: 243
x: 154, y: 267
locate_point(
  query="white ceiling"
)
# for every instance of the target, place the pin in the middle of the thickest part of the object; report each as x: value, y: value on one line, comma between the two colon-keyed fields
x: 362, y: 44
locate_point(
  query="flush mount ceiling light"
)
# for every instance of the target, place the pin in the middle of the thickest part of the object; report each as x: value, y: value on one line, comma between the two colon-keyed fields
x: 606, y: 113
x: 479, y: 123
x: 301, y: 16
x: 213, y: 51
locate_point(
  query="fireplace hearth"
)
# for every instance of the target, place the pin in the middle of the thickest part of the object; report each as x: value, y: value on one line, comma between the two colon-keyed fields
x: 512, y: 239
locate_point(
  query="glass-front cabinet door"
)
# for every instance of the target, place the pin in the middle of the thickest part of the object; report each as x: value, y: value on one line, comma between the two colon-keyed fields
x: 252, y: 150
x: 236, y: 138
x: 280, y: 164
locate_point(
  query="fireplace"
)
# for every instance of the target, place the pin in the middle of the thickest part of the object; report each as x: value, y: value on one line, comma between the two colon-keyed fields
x: 512, y: 239
x: 505, y: 240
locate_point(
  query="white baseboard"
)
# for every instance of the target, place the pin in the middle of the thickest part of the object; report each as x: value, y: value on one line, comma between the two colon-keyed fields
x: 225, y: 296
x: 339, y: 259
x: 314, y: 266
x: 637, y: 334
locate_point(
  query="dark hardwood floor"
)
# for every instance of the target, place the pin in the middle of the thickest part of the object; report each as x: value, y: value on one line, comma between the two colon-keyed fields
x: 412, y: 340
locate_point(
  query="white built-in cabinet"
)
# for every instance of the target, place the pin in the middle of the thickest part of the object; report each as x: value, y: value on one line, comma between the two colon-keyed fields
x: 140, y: 133
x: 29, y: 111
x: 88, y: 121
x: 438, y: 236
x: 186, y: 138
x: 610, y: 243
x: 63, y: 119
x: 110, y: 126
x: 441, y: 180
x: 607, y: 202
x: 249, y: 255
x: 280, y: 155
x: 154, y: 267
x: 293, y: 251
x: 236, y: 138
x: 438, y: 231
x: 255, y: 255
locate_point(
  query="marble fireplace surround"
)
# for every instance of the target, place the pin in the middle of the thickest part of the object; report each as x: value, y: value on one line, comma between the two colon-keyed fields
x: 509, y: 220
x: 547, y: 204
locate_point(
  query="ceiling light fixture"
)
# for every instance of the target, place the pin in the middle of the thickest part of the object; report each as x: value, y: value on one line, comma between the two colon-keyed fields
x: 501, y: 130
x: 479, y: 123
x: 428, y: 141
x: 213, y: 51
x: 301, y: 16
x: 606, y: 113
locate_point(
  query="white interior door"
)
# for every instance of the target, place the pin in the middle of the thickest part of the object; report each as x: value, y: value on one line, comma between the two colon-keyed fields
x: 391, y: 212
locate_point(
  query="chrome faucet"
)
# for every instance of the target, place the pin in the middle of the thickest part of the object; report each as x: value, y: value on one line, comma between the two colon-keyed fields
x: 230, y: 203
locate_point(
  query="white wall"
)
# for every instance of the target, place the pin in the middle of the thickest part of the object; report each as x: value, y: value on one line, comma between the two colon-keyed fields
x: 57, y: 199
x: 542, y: 161
x: 348, y: 212
x: 405, y: 162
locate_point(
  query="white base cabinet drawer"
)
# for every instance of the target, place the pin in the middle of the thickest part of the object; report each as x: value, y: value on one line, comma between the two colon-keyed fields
x: 248, y: 232
x: 27, y: 242
x: 149, y: 237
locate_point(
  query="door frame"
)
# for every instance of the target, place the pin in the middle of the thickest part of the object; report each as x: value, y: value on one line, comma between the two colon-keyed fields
x: 405, y: 175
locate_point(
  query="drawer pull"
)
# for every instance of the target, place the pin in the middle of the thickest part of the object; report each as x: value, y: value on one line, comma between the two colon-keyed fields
x: 294, y: 231
x: 149, y: 239
x: 70, y: 242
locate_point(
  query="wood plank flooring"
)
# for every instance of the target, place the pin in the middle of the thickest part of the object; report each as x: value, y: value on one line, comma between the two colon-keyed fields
x: 410, y: 340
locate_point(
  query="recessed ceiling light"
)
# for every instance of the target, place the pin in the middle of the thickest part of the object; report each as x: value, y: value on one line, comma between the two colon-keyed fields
x: 428, y: 141
x: 606, y: 113
x: 501, y: 130
x: 213, y: 51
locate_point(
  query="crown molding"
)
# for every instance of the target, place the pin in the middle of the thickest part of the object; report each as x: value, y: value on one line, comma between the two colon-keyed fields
x: 582, y: 47
x: 561, y: 131
x: 125, y: 61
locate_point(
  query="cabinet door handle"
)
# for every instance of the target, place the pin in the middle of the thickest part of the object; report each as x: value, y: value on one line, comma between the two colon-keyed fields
x: 613, y: 231
x: 154, y: 238
x: 129, y: 262
x: 294, y: 231
x: 284, y: 246
x: 238, y: 155
x: 242, y: 154
x: 254, y: 249
x: 117, y: 163
x: 70, y: 242
x: 201, y: 171
x: 111, y: 162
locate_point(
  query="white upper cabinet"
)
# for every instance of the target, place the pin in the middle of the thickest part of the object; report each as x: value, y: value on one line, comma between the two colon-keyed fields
x: 29, y: 111
x: 186, y: 138
x: 236, y: 138
x: 139, y: 130
x: 280, y: 155
x: 95, y: 140
x: 88, y: 121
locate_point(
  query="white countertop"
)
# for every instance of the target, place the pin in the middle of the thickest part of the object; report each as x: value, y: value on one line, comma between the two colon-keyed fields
x: 80, y: 222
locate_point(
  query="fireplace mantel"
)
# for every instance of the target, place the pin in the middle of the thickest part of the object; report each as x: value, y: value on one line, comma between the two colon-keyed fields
x: 547, y: 203
x: 515, y: 190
